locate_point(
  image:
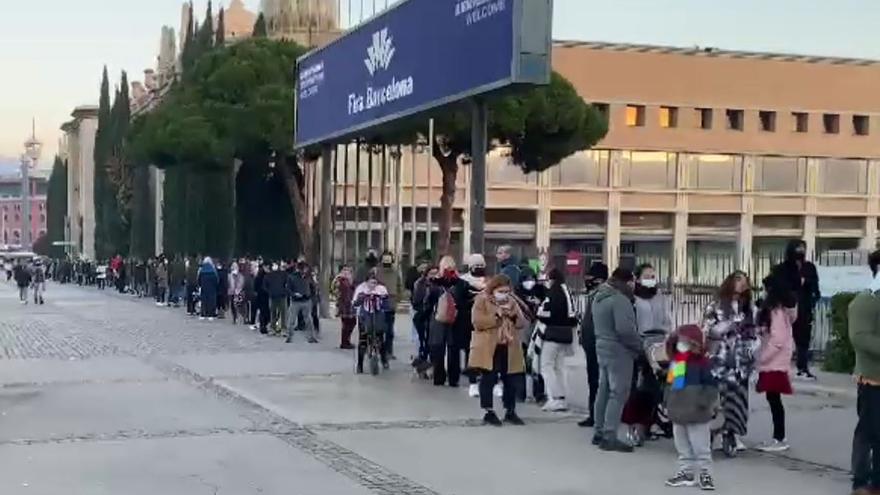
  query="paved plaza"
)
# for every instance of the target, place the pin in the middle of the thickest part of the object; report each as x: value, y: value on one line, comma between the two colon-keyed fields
x: 105, y: 394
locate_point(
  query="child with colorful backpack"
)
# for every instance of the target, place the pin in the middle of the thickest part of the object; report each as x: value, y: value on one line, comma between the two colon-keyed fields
x: 691, y: 402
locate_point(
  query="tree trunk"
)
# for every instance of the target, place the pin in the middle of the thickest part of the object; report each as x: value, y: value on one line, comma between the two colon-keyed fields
x: 293, y: 181
x: 449, y: 172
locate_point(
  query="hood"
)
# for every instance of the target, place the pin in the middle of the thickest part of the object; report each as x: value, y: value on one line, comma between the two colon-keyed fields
x: 791, y: 247
x: 605, y: 291
x: 475, y: 282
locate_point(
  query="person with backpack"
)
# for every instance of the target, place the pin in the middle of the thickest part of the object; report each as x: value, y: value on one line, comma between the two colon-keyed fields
x: 442, y: 308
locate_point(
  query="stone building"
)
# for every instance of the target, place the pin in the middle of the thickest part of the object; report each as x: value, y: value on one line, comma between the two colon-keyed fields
x: 79, y: 151
x: 307, y: 22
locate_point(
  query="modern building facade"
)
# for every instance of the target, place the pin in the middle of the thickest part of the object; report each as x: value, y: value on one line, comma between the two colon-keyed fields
x: 79, y: 153
x: 710, y: 154
x: 12, y: 218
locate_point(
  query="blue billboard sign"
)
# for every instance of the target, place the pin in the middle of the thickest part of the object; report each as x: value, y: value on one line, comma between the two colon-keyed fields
x: 418, y: 55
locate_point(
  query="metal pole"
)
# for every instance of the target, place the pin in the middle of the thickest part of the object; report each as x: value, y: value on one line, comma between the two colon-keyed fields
x: 25, y: 203
x: 345, y: 207
x: 357, y: 201
x: 479, y: 146
x: 398, y: 214
x: 370, y: 197
x: 413, y: 233
x: 429, y: 232
x: 383, y: 213
x: 326, y: 271
x: 333, y: 204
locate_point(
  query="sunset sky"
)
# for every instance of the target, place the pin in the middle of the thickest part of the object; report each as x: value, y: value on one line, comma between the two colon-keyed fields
x: 52, y: 51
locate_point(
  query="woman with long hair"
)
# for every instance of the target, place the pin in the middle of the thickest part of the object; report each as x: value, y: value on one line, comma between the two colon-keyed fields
x: 442, y: 303
x: 729, y: 326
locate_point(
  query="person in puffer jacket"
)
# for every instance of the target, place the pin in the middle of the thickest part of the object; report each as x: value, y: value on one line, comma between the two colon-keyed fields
x: 691, y: 402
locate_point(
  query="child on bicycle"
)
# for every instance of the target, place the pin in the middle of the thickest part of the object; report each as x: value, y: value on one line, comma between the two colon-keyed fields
x: 371, y: 300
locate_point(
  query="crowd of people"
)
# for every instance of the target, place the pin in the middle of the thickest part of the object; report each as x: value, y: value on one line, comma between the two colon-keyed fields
x: 508, y: 333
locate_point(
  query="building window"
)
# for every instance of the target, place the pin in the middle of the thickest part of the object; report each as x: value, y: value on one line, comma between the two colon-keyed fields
x: 779, y: 222
x: 584, y: 167
x: 668, y: 117
x: 42, y: 219
x: 646, y: 221
x: 768, y: 120
x: 17, y: 217
x: 501, y: 170
x: 841, y: 176
x: 735, y: 120
x: 635, y: 115
x: 704, y: 117
x: 713, y: 221
x: 780, y: 174
x: 831, y: 123
x: 861, y: 125
x: 831, y: 224
x: 715, y: 172
x: 801, y: 121
x: 648, y: 170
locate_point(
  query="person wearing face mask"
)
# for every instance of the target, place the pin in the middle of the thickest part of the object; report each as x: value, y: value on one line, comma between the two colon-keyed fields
x: 800, y: 277
x: 557, y: 320
x: 617, y: 345
x: 222, y: 290
x: 596, y: 276
x: 208, y: 283
x: 389, y: 276
x: 236, y: 292
x: 691, y: 402
x: 532, y: 295
x: 474, y: 283
x: 301, y: 296
x: 261, y: 301
x: 421, y: 287
x: 161, y: 281
x: 652, y: 317
x: 275, y: 285
x: 343, y: 290
x: 192, y: 284
x: 442, y: 307
x: 496, y: 349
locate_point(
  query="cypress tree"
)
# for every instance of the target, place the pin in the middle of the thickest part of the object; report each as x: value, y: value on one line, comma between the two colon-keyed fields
x: 188, y: 54
x: 101, y: 154
x: 220, y: 38
x: 56, y: 207
x: 260, y: 30
x: 205, y: 39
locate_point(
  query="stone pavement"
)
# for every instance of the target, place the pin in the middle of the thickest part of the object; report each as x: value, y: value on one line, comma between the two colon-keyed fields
x: 101, y: 393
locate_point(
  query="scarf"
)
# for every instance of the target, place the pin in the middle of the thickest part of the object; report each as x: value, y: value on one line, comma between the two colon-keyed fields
x: 678, y: 371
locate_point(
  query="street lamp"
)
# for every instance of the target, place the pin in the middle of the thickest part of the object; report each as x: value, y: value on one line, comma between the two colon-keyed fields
x: 29, y: 159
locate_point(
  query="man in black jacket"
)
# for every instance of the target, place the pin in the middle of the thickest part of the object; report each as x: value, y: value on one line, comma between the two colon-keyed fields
x: 301, y: 293
x: 801, y: 278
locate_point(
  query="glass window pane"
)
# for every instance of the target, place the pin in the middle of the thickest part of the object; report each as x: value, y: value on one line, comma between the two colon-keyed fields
x: 780, y: 174
x: 843, y: 176
x: 584, y: 167
x: 716, y: 172
x: 501, y: 170
x: 649, y: 169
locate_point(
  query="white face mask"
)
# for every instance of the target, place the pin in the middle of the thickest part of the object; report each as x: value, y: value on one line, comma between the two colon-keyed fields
x: 529, y: 284
x: 274, y: 268
x: 649, y: 283
x: 682, y: 346
x: 501, y: 297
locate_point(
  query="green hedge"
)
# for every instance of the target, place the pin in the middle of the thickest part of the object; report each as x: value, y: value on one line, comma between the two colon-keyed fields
x: 840, y: 357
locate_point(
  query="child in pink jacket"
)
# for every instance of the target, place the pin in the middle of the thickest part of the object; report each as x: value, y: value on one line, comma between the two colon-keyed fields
x: 776, y: 317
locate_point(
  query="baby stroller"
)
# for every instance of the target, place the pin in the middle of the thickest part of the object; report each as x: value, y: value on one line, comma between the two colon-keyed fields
x: 371, y: 333
x: 645, y: 412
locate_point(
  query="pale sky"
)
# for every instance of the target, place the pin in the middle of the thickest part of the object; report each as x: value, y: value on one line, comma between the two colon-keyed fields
x: 52, y: 51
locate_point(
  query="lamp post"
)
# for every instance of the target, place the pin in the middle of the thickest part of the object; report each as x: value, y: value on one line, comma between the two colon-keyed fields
x: 32, y: 147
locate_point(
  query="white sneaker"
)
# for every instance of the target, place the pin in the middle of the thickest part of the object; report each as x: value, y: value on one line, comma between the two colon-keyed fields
x: 555, y: 405
x: 253, y: 327
x: 474, y: 390
x: 201, y: 318
x: 498, y: 390
x: 211, y: 318
x: 775, y: 446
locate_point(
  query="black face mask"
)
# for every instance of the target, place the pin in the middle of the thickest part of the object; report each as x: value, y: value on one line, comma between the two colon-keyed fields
x: 644, y: 292
x: 800, y: 255
x: 478, y: 272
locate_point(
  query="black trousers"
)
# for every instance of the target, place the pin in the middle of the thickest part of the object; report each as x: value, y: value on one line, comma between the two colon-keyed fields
x: 777, y: 411
x: 592, y: 373
x: 803, y: 337
x: 489, y: 378
x: 866, y: 440
x: 190, y: 299
x: 445, y: 356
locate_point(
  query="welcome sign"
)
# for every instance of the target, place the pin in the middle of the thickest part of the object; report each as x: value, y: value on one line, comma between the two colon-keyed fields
x: 418, y: 55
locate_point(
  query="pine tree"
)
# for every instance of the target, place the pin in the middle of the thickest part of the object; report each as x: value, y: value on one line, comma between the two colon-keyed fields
x: 220, y: 35
x: 260, y: 30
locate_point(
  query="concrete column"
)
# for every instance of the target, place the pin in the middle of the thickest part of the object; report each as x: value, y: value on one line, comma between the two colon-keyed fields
x: 326, y: 257
x: 159, y: 205
x: 466, y: 214
x: 869, y: 240
x: 542, y: 219
x: 612, y: 223
x: 811, y: 206
x: 747, y: 218
x: 680, y: 227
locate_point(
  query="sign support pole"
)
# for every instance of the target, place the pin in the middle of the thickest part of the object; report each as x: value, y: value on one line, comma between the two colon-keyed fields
x: 326, y: 268
x: 479, y: 146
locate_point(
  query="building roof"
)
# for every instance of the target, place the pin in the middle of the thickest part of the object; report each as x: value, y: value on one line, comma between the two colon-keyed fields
x: 706, y: 51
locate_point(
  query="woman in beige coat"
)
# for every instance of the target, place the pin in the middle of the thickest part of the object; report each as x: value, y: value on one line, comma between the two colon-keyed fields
x: 495, y: 347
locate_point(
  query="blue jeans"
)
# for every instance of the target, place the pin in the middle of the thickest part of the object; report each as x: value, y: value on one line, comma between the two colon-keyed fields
x: 615, y: 382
